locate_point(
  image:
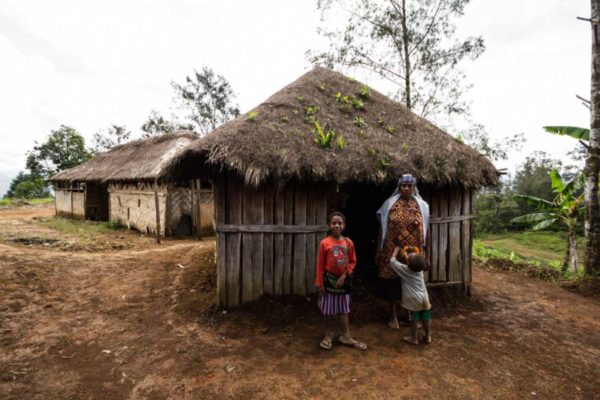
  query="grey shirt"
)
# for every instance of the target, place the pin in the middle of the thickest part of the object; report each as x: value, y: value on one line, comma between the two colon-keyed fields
x: 414, y: 291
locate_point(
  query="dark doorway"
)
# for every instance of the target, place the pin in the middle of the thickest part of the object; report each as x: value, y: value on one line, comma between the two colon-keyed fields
x: 96, y: 201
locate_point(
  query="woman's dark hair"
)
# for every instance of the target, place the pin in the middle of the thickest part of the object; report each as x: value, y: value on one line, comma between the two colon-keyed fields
x: 336, y: 214
x: 416, y: 262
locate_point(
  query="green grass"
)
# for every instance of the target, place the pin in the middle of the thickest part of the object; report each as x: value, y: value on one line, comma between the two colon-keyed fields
x: 78, y: 227
x: 16, y: 202
x: 539, y: 248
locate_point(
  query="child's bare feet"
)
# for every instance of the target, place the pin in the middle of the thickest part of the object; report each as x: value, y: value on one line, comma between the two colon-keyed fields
x: 426, y: 339
x: 410, y: 340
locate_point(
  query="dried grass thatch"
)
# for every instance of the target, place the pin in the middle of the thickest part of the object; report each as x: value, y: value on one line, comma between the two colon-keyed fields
x: 138, y: 160
x: 374, y: 139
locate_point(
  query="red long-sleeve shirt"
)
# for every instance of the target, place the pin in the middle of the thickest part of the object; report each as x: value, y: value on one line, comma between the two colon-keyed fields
x: 334, y: 255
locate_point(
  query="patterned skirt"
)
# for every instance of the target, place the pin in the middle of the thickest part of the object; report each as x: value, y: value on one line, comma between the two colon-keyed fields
x: 334, y: 304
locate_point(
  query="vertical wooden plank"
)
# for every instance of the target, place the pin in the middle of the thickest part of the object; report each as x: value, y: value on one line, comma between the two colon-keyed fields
x: 157, y: 209
x: 465, y: 236
x: 311, y: 247
x: 268, y: 276
x: 434, y: 207
x: 233, y: 200
x: 442, y: 236
x: 288, y: 238
x: 278, y: 238
x: 219, y: 211
x: 455, y: 258
x: 321, y: 215
x: 299, y: 267
x: 199, y: 208
x: 469, y: 269
x: 252, y: 245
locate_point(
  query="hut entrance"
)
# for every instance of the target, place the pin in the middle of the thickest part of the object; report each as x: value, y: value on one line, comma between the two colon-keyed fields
x: 360, y: 202
x: 96, y: 201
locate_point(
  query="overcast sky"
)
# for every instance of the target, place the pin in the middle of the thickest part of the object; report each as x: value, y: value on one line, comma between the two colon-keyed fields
x: 89, y: 64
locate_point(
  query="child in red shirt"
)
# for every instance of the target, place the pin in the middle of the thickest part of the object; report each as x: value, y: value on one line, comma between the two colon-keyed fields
x: 335, y: 262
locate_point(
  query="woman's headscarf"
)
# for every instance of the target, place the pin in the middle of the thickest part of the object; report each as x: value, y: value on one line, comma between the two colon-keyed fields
x: 384, y: 211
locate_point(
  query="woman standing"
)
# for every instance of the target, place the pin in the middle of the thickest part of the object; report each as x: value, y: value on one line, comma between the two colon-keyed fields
x: 403, y: 219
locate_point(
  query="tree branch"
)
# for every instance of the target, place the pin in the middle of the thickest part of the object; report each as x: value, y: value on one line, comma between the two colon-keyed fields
x: 433, y: 20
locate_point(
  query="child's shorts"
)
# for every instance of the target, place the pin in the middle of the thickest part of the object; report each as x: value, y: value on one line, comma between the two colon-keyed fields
x: 423, y: 315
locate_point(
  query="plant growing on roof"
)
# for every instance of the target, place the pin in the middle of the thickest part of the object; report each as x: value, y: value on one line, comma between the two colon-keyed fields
x: 359, y: 121
x: 390, y: 129
x: 341, y: 142
x: 251, y: 116
x: 364, y: 92
x: 321, y: 87
x: 358, y: 103
x: 321, y: 138
x: 311, y: 111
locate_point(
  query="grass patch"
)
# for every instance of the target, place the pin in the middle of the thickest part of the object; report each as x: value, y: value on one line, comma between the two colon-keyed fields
x: 6, y: 202
x: 79, y: 227
x: 537, y: 248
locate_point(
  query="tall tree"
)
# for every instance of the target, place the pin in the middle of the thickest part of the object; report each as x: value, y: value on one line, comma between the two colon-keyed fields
x: 157, y: 124
x: 592, y: 163
x: 64, y: 148
x: 109, y: 138
x: 208, y: 99
x: 411, y: 43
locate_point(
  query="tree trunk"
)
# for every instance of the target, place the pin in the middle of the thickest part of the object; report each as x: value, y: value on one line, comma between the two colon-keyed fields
x: 405, y: 39
x: 572, y: 251
x: 565, y: 263
x: 592, y: 163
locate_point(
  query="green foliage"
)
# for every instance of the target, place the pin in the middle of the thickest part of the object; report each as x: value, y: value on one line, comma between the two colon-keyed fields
x: 321, y: 138
x: 495, y: 210
x: 390, y: 129
x: 252, y: 115
x: 321, y: 87
x: 311, y: 112
x: 82, y: 227
x: 404, y: 147
x: 412, y: 42
x: 362, y: 134
x: 111, y: 137
x: 341, y: 142
x: 13, y: 202
x: 384, y: 162
x: 208, y: 98
x: 64, y: 148
x: 156, y: 124
x: 574, y: 132
x: 364, y: 92
x: 357, y: 103
x: 359, y: 121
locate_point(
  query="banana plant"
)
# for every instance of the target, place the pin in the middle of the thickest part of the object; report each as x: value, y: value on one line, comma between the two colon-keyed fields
x: 564, y: 210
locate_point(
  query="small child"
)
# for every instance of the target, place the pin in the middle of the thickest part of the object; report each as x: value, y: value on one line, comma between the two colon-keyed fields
x: 336, y: 260
x: 414, y: 294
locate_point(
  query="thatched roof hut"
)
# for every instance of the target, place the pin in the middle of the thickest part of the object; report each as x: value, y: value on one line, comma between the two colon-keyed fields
x: 132, y: 184
x: 328, y: 142
x: 139, y: 160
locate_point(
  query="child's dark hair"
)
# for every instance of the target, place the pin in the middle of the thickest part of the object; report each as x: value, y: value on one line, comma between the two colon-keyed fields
x: 416, y: 262
x: 336, y: 214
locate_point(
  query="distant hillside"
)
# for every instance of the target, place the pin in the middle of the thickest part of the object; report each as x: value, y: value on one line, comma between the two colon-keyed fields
x: 5, y: 178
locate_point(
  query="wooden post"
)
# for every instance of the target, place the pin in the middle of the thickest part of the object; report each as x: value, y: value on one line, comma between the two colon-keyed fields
x: 156, y: 207
x: 71, y: 190
x: 199, y: 209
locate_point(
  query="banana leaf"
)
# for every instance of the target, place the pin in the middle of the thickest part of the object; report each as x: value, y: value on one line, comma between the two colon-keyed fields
x: 574, y: 132
x: 535, y: 202
x: 534, y: 217
x: 544, y: 224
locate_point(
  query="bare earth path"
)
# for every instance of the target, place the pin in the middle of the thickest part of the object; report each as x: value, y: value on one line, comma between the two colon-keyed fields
x: 139, y: 324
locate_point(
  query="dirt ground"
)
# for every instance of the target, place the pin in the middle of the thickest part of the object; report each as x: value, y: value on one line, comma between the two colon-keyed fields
x: 140, y: 323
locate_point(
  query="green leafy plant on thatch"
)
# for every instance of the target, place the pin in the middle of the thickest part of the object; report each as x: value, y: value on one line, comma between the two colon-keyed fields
x: 321, y: 138
x: 341, y: 142
x: 251, y: 116
x: 390, y: 129
x: 364, y: 92
x: 565, y: 210
x: 359, y: 121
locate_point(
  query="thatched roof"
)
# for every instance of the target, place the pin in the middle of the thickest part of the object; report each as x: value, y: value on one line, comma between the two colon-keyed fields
x: 144, y: 159
x: 374, y: 139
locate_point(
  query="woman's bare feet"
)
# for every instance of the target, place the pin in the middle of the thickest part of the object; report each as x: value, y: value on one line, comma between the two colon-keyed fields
x: 393, y: 323
x: 410, y: 340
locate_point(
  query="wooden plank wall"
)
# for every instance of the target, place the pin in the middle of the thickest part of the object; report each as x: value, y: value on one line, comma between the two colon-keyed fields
x: 281, y: 263
x: 254, y: 263
x: 450, y: 242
